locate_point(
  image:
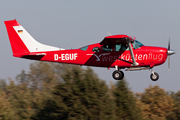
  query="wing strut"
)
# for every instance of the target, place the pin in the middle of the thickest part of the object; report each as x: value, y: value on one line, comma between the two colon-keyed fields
x: 132, y: 54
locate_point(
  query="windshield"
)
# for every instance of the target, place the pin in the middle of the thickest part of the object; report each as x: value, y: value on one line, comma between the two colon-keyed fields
x: 122, y: 47
x: 136, y: 44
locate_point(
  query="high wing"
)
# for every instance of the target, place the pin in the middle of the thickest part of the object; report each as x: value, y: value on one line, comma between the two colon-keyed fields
x: 120, y: 39
x: 116, y: 39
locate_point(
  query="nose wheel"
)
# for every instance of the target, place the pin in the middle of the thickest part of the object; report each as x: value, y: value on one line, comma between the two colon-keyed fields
x: 154, y: 76
x: 118, y: 75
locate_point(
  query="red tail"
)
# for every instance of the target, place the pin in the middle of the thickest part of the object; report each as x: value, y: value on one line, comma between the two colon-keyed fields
x: 17, y: 45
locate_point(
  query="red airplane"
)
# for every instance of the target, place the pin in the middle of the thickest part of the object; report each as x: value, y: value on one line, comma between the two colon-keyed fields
x: 115, y: 51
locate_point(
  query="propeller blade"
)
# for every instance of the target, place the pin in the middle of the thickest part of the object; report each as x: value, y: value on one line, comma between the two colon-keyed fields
x: 169, y: 44
x: 169, y: 52
x: 168, y: 62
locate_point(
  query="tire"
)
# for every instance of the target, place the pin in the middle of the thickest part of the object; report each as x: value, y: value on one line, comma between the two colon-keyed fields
x: 154, y: 77
x: 118, y: 75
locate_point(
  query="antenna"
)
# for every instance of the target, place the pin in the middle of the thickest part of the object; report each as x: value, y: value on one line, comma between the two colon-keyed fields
x: 109, y: 33
x: 69, y: 46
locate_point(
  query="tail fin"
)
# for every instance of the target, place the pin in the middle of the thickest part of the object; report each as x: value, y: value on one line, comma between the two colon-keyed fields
x: 22, y: 43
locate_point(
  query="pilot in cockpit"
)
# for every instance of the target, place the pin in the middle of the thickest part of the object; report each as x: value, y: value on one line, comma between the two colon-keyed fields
x: 124, y: 47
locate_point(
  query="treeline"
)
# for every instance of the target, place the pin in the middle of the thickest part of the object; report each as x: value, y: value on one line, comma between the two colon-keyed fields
x: 52, y: 91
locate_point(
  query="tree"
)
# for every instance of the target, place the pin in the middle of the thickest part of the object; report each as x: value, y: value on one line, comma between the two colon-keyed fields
x: 157, y: 104
x: 23, y: 78
x: 43, y: 78
x: 82, y: 95
x: 19, y: 97
x: 42, y: 73
x: 33, y: 91
x: 126, y: 108
x: 176, y: 98
x: 6, y: 111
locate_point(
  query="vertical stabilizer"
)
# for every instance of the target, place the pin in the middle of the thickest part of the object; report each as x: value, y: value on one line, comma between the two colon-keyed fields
x: 22, y: 42
x: 18, y: 47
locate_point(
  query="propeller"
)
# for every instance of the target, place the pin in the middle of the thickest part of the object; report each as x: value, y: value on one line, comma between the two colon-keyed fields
x: 169, y: 52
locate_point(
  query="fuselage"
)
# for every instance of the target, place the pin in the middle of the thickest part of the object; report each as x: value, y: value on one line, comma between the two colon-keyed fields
x: 109, y: 57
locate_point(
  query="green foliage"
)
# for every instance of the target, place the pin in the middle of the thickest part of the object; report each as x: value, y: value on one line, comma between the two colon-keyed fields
x: 69, y: 92
x: 126, y: 108
x: 157, y: 104
x: 82, y: 95
x: 176, y: 111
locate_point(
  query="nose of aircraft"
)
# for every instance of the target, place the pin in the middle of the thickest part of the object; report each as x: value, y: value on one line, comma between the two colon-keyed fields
x: 170, y: 52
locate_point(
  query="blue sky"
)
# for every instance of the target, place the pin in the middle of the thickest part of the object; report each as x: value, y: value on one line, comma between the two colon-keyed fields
x: 79, y: 23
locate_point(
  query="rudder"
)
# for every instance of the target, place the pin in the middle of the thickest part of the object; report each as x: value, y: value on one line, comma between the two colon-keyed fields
x: 17, y: 45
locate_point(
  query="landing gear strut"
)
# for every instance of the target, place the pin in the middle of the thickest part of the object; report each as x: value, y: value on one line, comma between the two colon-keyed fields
x: 154, y: 76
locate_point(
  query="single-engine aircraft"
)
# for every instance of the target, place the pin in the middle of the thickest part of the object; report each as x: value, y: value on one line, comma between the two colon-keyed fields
x: 115, y: 51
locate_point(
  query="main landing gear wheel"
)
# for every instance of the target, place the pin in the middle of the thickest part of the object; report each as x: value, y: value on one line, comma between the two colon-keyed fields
x: 154, y: 76
x: 118, y: 75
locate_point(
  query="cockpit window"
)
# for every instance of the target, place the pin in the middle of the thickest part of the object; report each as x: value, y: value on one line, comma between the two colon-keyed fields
x: 107, y: 48
x: 122, y: 47
x: 136, y: 44
x: 84, y: 48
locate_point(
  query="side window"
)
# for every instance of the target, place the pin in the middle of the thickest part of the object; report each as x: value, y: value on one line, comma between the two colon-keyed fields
x: 95, y: 49
x: 121, y: 47
x: 117, y: 47
x: 124, y: 47
x: 84, y: 48
x: 107, y: 48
